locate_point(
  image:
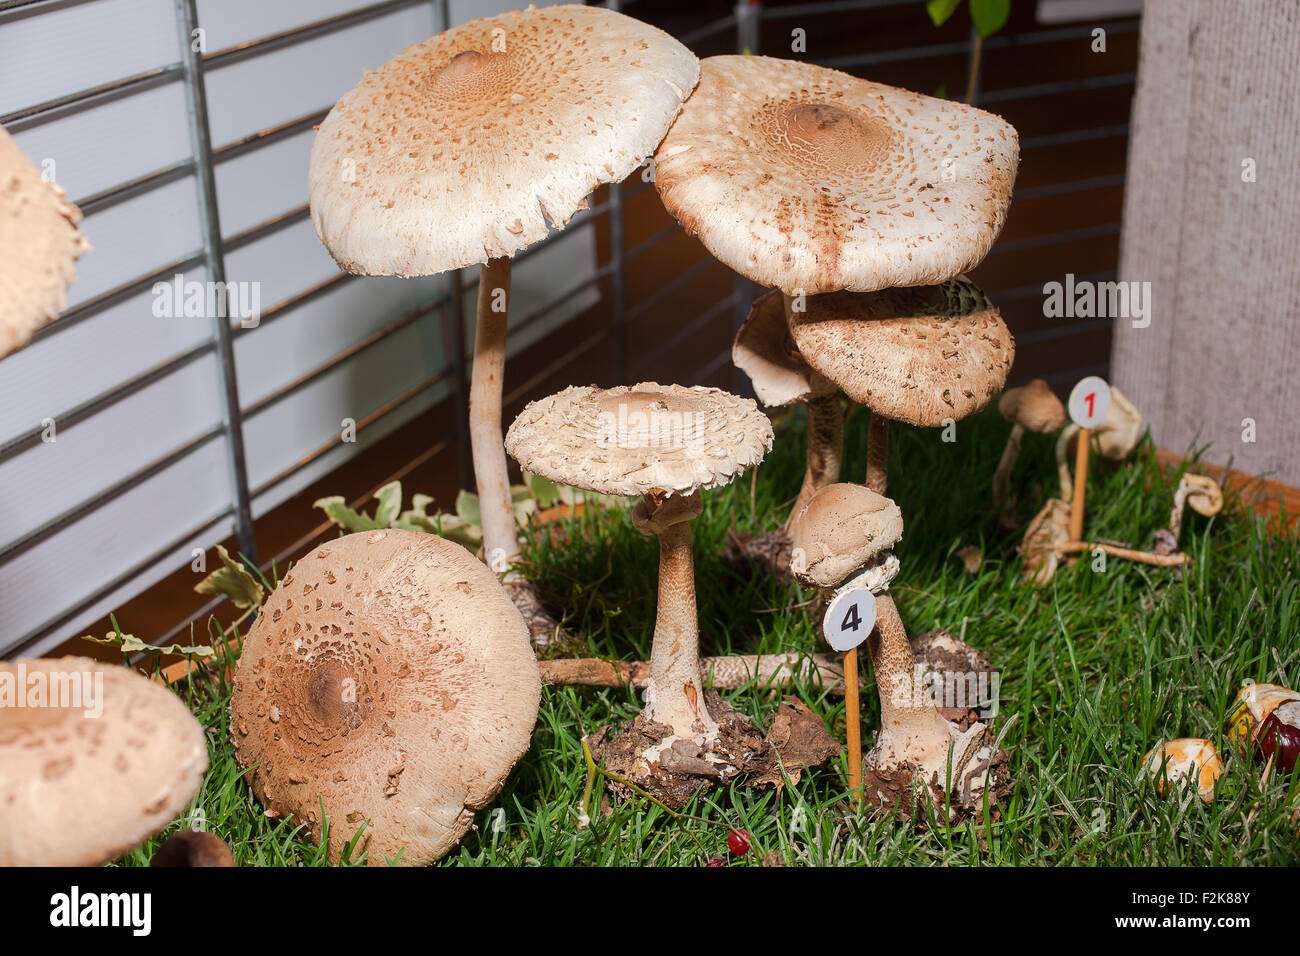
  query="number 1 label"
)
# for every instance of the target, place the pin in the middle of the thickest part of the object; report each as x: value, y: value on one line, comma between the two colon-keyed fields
x: 849, y: 619
x: 1089, y: 401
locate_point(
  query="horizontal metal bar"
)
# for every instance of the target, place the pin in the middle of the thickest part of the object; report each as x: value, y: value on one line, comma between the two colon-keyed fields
x: 311, y: 375
x: 265, y: 228
x: 363, y: 423
x: 822, y: 9
x: 72, y: 103
x: 707, y: 30
x: 1019, y: 292
x: 47, y: 6
x: 1064, y: 331
x: 285, y: 306
x: 114, y: 491
x: 47, y: 628
x: 562, y: 298
x: 667, y: 289
x: 569, y: 356
x: 646, y: 244
x: 721, y: 359
x: 1074, y: 136
x: 107, y: 198
x: 685, y: 332
x: 1074, y: 186
x: 1058, y: 88
x: 267, y: 136
x: 105, y: 300
x: 1056, y: 238
x: 308, y: 31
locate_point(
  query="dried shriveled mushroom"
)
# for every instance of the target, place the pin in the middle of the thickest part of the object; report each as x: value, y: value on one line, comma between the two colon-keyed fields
x: 388, y: 682
x: 765, y: 352
x: 39, y: 244
x: 94, y: 760
x: 471, y: 146
x: 1116, y: 435
x: 1033, y: 407
x: 1175, y: 762
x: 1204, y: 496
x: 923, y: 356
x: 842, y: 541
x: 666, y: 444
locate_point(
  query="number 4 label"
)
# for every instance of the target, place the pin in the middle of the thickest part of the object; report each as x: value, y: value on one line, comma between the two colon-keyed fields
x: 1089, y: 401
x: 850, y: 619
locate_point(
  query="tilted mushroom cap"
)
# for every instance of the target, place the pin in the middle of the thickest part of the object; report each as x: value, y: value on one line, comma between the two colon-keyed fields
x: 808, y: 179
x: 763, y: 351
x: 103, y: 760
x: 841, y: 529
x: 1121, y: 427
x: 633, y: 440
x: 1033, y: 406
x: 1183, y: 759
x: 39, y: 242
x: 917, y: 355
x: 473, y: 144
x: 1203, y: 494
x: 388, y: 678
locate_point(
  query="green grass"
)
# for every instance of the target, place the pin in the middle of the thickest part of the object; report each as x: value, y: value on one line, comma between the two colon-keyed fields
x: 1096, y: 669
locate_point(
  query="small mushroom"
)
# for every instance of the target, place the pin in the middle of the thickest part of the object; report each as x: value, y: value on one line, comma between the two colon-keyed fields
x: 473, y: 145
x: 1033, y: 407
x: 1265, y: 722
x: 765, y: 352
x: 193, y: 848
x: 1117, y: 434
x: 39, y: 246
x: 842, y: 541
x: 387, y: 683
x: 94, y: 760
x: 1041, y: 549
x: 1186, y: 759
x: 665, y: 443
x: 1204, y: 496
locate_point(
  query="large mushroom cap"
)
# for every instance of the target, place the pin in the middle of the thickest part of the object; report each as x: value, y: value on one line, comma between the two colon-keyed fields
x: 388, y: 679
x: 473, y: 144
x: 916, y: 355
x: 1033, y: 406
x: 842, y: 528
x: 39, y: 242
x: 99, y: 762
x: 811, y: 180
x: 763, y: 351
x: 633, y: 440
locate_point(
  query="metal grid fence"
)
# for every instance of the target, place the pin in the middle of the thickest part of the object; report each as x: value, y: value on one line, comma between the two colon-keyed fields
x: 446, y: 309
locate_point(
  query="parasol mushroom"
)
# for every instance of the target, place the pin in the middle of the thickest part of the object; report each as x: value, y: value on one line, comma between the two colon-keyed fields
x: 39, y: 244
x: 94, y: 760
x: 1033, y: 407
x: 471, y: 146
x: 811, y: 181
x: 1204, y: 496
x: 842, y: 541
x: 922, y: 356
x: 664, y: 443
x: 387, y: 683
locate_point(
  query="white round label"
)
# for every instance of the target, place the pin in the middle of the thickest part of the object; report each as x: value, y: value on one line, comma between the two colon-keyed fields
x: 849, y: 619
x: 1089, y: 401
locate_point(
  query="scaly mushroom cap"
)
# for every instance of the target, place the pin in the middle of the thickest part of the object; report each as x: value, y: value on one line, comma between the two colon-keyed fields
x: 634, y: 440
x: 1186, y: 757
x: 39, y: 242
x: 388, y: 678
x: 473, y: 144
x: 842, y: 528
x: 916, y: 355
x: 86, y: 781
x: 1033, y: 406
x: 808, y: 179
x: 764, y: 351
x: 1120, y: 429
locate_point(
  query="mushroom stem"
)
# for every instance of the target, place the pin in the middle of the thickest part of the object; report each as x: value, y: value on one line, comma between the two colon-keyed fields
x: 1063, y: 460
x: 825, y: 450
x: 675, y: 691
x: 877, y: 453
x: 779, y: 671
x: 500, y: 543
x: 1002, y: 475
x: 1144, y: 557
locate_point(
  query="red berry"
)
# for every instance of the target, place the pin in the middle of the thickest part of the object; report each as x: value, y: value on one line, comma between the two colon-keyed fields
x: 1279, y: 737
x: 738, y: 842
x: 715, y: 861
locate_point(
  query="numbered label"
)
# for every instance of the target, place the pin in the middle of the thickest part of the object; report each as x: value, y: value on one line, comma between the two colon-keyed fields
x: 1089, y: 401
x: 850, y: 619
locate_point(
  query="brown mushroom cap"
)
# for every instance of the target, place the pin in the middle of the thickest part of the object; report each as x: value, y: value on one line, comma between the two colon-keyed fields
x: 388, y: 678
x: 916, y: 355
x: 812, y: 180
x: 763, y: 351
x: 1033, y: 406
x: 39, y: 242
x: 842, y: 528
x: 633, y: 440
x: 473, y: 144
x: 84, y: 783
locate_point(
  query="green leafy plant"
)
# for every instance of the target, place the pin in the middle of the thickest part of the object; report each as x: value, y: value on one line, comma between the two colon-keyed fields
x: 130, y: 644
x: 987, y: 16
